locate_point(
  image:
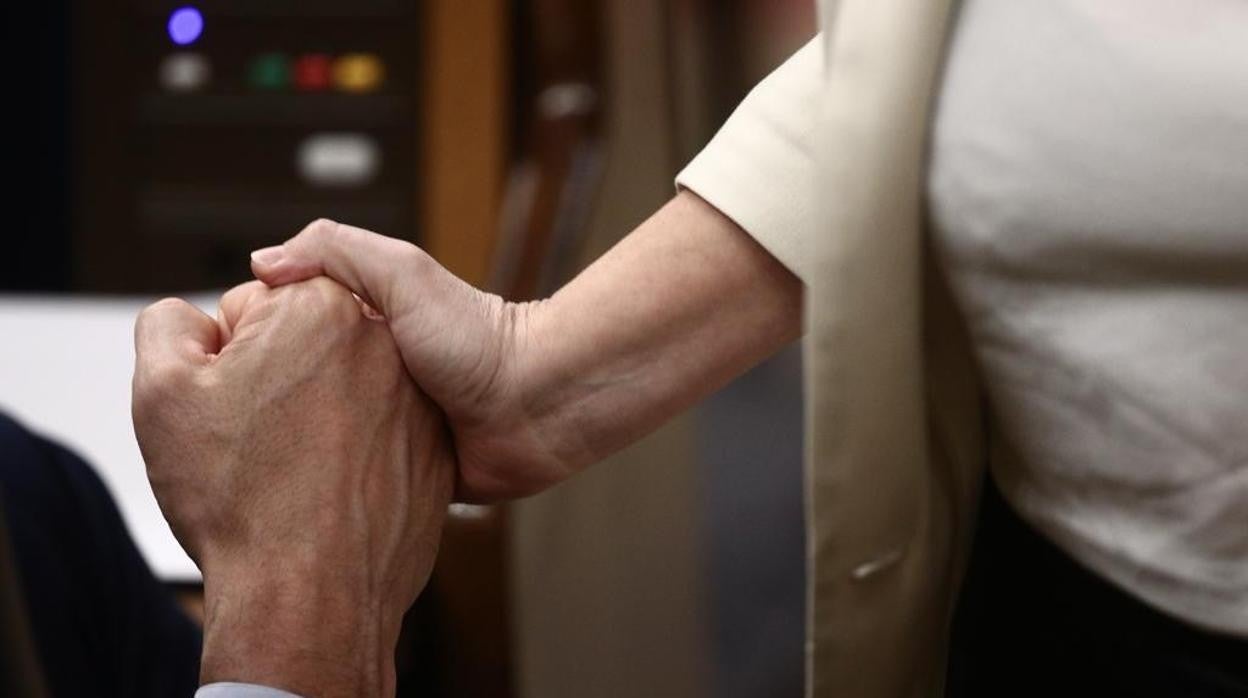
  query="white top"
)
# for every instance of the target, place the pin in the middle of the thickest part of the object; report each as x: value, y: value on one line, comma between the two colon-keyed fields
x: 1089, y: 186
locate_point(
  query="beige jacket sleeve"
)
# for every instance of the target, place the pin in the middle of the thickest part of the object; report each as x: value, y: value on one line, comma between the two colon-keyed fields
x: 760, y: 168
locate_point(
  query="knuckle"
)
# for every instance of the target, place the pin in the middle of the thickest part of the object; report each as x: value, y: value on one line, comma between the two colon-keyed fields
x: 160, y: 307
x: 243, y: 290
x: 235, y: 301
x: 150, y: 316
x: 169, y: 303
x: 329, y: 292
x: 320, y: 229
x: 410, y: 256
x: 328, y: 300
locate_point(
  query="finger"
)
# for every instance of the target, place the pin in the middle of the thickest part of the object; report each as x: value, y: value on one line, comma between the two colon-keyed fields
x: 173, y: 333
x: 234, y: 305
x: 372, y: 266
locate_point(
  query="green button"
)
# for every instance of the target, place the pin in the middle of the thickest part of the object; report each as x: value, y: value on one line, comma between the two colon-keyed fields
x: 269, y: 71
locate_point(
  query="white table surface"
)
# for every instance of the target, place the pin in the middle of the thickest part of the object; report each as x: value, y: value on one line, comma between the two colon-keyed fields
x: 65, y: 368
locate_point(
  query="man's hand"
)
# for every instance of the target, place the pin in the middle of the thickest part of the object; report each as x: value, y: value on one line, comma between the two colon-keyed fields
x: 303, y: 471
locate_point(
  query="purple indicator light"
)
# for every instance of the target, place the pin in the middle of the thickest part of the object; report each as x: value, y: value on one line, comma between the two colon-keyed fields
x: 186, y: 24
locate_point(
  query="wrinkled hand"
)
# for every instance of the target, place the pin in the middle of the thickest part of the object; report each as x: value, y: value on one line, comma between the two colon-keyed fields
x: 303, y: 471
x: 458, y: 343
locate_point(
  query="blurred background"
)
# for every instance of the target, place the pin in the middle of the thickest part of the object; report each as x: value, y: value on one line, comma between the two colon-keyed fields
x: 152, y: 145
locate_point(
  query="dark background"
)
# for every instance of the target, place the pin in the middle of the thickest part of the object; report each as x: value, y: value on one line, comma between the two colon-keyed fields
x: 37, y: 224
x: 120, y: 185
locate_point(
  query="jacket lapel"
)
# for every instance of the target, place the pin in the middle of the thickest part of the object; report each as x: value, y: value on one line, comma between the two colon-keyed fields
x: 881, y: 547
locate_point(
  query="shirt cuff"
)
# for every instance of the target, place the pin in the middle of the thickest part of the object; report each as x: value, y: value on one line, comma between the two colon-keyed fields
x: 241, y: 690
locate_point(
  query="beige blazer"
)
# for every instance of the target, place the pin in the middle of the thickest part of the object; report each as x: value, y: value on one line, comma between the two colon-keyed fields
x: 824, y: 165
x: 895, y: 452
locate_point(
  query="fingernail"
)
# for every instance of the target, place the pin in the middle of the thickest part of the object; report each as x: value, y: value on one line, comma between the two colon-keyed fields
x: 267, y: 256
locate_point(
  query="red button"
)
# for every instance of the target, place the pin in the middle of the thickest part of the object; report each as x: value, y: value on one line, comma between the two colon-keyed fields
x: 313, y: 72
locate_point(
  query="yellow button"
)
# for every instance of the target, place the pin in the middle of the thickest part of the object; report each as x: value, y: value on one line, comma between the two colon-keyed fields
x: 359, y: 72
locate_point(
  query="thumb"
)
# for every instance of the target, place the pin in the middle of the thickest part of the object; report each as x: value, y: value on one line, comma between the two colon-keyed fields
x: 235, y: 305
x: 372, y: 266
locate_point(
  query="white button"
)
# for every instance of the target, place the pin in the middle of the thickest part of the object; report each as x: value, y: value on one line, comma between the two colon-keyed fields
x: 184, y: 72
x: 338, y: 159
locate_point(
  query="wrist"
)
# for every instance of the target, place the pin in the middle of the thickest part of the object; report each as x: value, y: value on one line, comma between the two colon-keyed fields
x: 544, y: 390
x: 547, y: 365
x: 297, y: 635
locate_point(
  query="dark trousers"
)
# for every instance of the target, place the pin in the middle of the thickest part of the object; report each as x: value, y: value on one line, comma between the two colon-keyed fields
x: 102, y: 624
x: 1033, y: 622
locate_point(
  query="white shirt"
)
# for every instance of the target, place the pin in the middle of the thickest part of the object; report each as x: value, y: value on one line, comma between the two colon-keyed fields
x: 1089, y: 186
x: 241, y: 690
x: 1089, y: 182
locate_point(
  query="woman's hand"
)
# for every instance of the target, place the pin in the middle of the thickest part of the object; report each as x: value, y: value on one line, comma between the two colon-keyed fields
x: 457, y: 342
x: 534, y: 392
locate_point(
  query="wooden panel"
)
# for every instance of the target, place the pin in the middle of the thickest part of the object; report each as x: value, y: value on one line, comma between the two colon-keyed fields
x: 457, y: 637
x: 464, y: 131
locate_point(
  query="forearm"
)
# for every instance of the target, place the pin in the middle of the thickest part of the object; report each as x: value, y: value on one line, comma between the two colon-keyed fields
x: 681, y: 306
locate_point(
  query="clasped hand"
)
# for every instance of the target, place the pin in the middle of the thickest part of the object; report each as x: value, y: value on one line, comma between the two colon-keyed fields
x: 302, y: 469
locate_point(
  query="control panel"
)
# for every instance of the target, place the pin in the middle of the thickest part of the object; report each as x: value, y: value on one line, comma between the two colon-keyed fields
x: 205, y: 130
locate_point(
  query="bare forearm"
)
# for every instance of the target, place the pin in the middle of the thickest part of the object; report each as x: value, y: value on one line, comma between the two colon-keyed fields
x: 677, y: 309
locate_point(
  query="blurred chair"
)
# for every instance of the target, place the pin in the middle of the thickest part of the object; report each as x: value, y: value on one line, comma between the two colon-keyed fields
x: 605, y: 568
x: 611, y: 572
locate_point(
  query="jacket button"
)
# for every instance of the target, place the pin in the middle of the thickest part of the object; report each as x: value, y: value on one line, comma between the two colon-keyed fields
x: 874, y: 566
